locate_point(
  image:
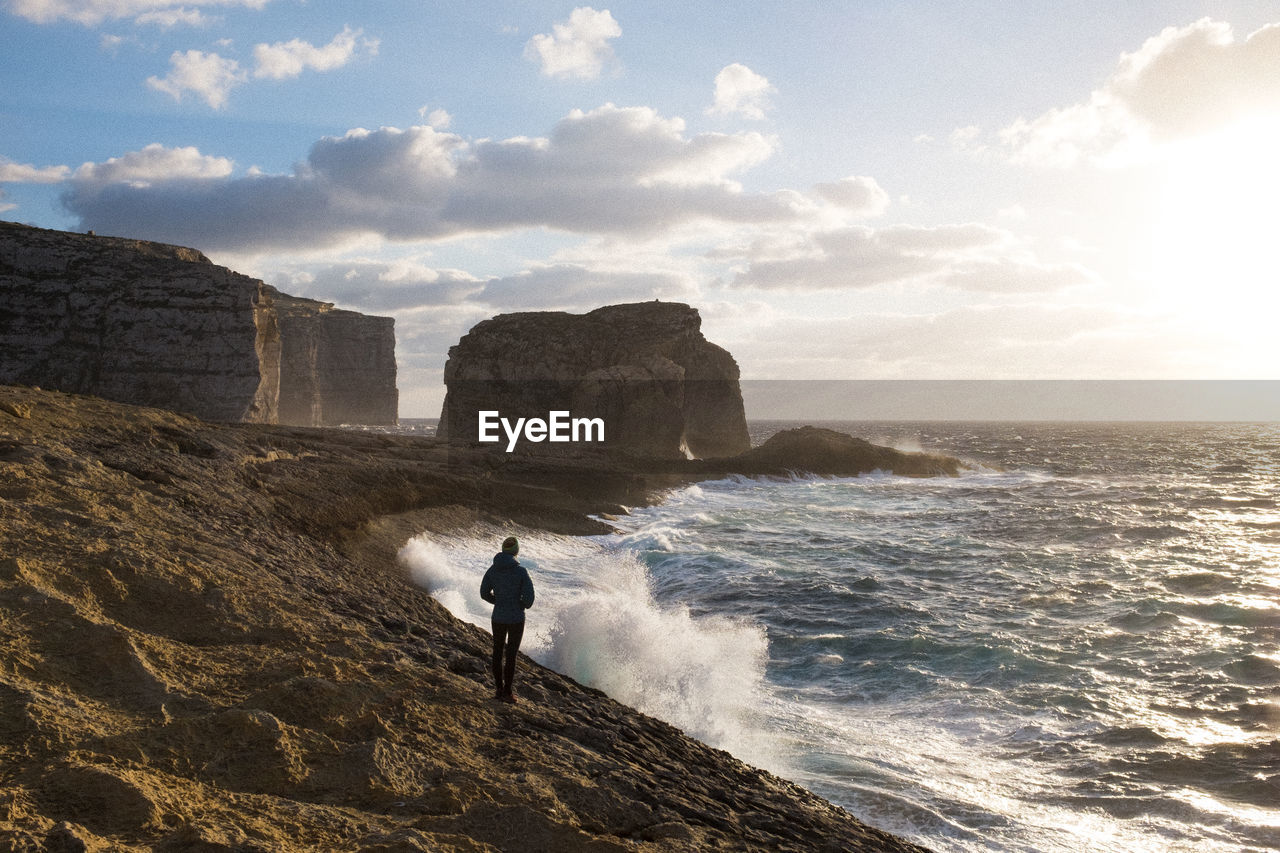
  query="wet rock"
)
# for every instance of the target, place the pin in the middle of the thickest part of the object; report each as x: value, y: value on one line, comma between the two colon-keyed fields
x: 815, y: 450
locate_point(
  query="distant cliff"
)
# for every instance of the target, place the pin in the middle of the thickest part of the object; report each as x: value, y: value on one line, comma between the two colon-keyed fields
x: 336, y: 367
x: 160, y: 325
x: 644, y: 369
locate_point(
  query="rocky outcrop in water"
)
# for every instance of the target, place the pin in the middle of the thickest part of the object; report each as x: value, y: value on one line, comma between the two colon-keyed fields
x: 644, y: 369
x: 161, y: 325
x: 827, y: 453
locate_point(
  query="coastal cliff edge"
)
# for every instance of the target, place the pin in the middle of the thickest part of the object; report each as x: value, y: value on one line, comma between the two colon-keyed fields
x: 209, y: 645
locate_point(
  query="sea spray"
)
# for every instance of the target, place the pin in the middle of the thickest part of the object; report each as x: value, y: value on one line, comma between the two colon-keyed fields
x: 596, y: 620
x: 702, y: 674
x: 431, y: 567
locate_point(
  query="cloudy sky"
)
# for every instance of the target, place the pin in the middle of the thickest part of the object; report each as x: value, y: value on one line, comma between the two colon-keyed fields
x: 869, y: 190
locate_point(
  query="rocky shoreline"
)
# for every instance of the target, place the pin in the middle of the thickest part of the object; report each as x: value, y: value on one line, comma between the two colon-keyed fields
x: 208, y: 645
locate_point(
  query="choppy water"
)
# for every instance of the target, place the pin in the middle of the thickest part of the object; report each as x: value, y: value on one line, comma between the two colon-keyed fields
x: 1074, y: 647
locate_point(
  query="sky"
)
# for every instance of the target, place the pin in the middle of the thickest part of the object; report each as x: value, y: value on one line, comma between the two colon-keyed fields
x: 845, y: 190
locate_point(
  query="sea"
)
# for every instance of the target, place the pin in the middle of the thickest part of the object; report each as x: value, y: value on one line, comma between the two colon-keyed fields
x: 1075, y: 645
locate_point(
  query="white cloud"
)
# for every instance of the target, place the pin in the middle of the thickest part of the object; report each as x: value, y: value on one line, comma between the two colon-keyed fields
x: 381, y: 287
x: 1186, y: 80
x: 407, y: 285
x: 742, y: 91
x: 1016, y: 273
x: 611, y: 170
x: 212, y: 77
x: 970, y: 257
x: 284, y: 60
x: 859, y: 195
x: 438, y: 119
x: 207, y: 75
x: 92, y: 12
x: 154, y: 164
x: 571, y: 287
x: 629, y: 177
x: 1100, y: 130
x: 1182, y: 83
x: 22, y: 173
x: 578, y: 47
x: 170, y: 18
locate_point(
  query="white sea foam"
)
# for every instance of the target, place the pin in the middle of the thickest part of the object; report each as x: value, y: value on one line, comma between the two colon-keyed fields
x: 437, y: 570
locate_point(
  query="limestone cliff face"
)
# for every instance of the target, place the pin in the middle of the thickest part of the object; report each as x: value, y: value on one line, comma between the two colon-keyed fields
x: 160, y: 325
x: 645, y: 369
x: 336, y: 367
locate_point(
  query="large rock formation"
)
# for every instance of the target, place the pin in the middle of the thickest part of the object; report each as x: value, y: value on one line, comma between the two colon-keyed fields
x: 136, y: 322
x: 644, y: 369
x: 160, y: 325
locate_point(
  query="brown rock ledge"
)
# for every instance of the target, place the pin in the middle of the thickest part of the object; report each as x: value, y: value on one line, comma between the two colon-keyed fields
x: 207, y: 645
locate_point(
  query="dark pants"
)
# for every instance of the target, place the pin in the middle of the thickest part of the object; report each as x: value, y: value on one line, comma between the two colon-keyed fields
x: 506, y: 643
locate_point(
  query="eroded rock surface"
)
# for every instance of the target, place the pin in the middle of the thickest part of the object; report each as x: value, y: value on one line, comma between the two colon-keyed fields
x: 136, y: 322
x: 209, y: 645
x: 645, y: 369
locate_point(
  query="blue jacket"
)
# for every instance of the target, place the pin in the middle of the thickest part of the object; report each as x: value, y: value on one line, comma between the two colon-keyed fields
x: 508, y: 588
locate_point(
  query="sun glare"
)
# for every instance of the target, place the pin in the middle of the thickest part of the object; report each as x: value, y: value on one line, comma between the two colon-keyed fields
x: 1214, y: 255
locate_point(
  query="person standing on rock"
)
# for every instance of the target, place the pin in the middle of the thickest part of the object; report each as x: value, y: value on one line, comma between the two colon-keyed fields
x: 508, y: 588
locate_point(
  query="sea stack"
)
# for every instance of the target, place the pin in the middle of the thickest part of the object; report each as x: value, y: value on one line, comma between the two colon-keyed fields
x: 159, y: 325
x: 643, y: 369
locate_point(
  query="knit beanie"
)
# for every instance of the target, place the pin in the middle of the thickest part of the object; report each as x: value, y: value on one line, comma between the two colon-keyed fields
x: 510, y: 546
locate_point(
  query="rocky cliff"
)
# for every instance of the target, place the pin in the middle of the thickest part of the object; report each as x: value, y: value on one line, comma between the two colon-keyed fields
x: 161, y: 325
x: 136, y: 322
x: 336, y: 367
x: 643, y: 369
